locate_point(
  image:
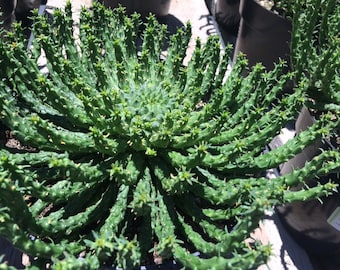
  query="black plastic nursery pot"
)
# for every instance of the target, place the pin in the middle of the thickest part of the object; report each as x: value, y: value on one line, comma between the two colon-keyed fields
x: 227, y: 15
x: 23, y: 10
x: 7, y: 13
x: 160, y: 8
x: 263, y: 35
x: 20, y: 11
x: 314, y: 225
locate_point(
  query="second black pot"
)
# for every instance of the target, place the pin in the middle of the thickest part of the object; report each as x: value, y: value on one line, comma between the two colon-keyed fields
x: 227, y: 15
x: 263, y: 35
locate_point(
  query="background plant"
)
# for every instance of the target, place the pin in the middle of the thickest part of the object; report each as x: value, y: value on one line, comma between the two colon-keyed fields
x: 315, y: 49
x: 132, y: 154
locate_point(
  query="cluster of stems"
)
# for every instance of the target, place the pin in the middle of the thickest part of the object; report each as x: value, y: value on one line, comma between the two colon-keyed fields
x: 315, y: 49
x: 133, y: 153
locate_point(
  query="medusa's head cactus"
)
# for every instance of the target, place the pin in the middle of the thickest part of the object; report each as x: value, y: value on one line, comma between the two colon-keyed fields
x: 137, y: 154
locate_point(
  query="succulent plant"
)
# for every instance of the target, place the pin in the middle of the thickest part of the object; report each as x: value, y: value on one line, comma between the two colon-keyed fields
x: 315, y: 49
x: 133, y: 153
